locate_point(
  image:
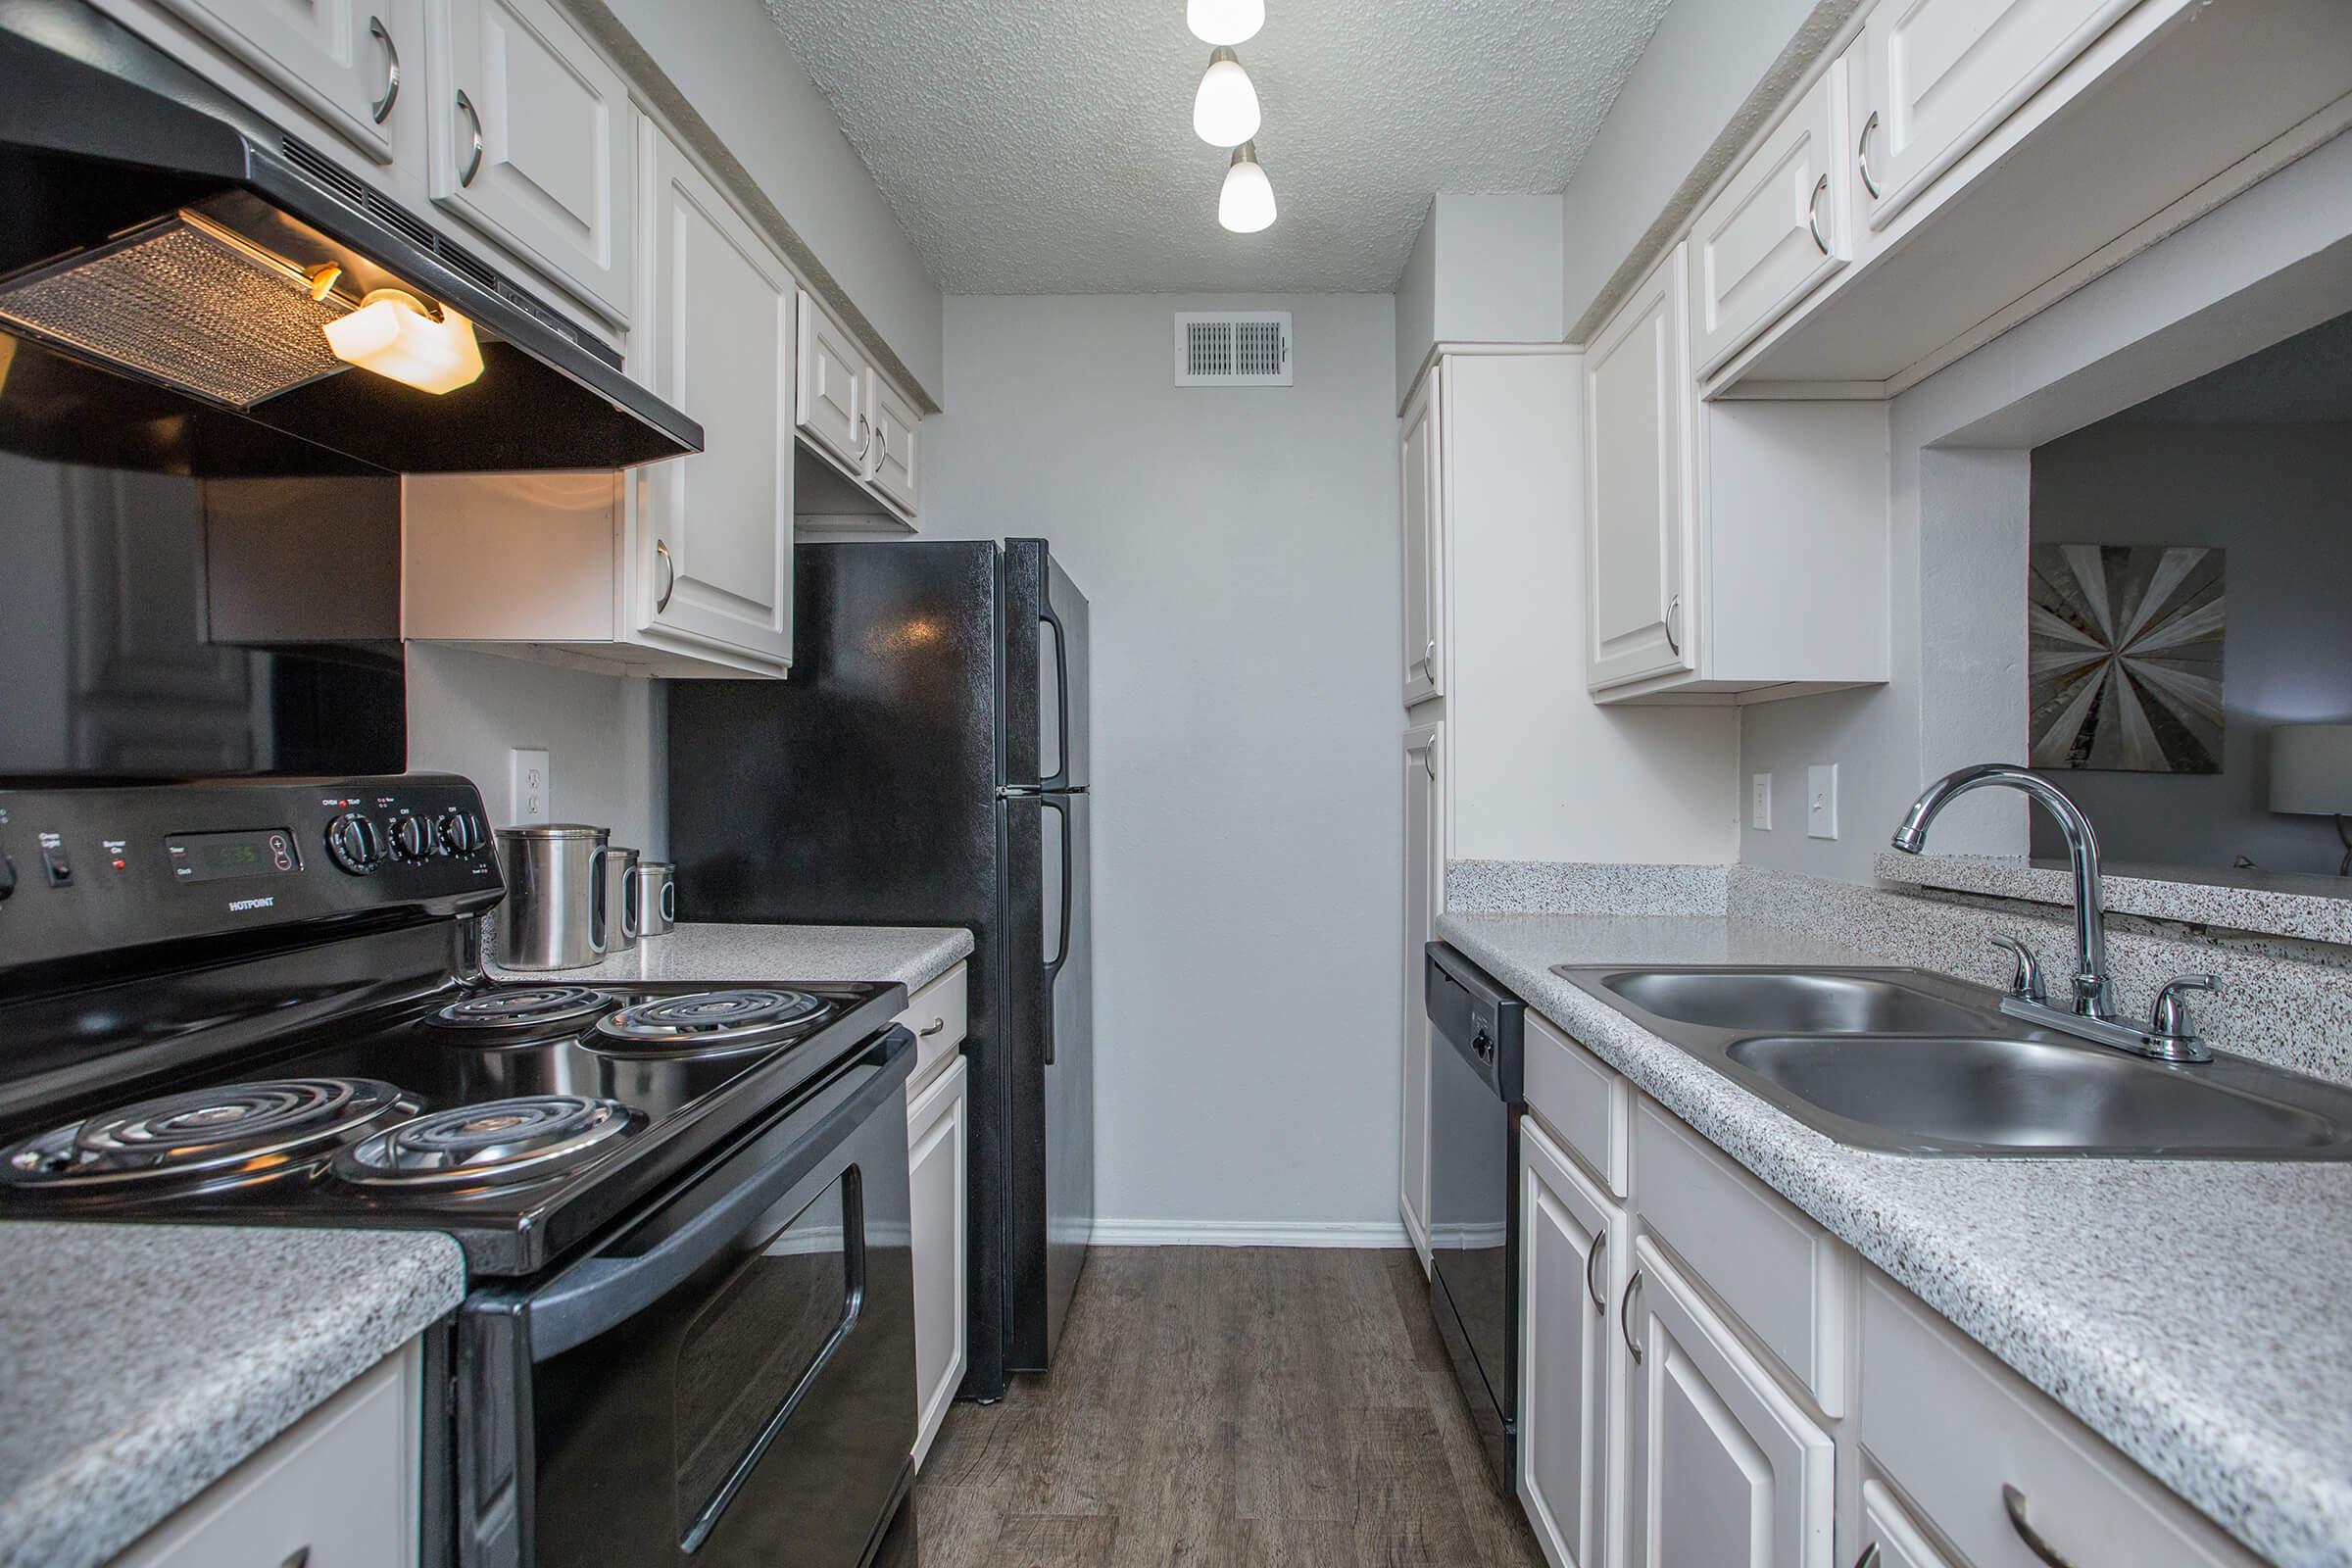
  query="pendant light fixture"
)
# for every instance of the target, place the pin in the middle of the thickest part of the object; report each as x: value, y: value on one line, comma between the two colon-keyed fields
x: 1225, y: 110
x: 1224, y: 23
x: 1247, y: 203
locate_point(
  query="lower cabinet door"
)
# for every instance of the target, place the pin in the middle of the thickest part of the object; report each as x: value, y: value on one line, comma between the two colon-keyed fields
x: 1888, y: 1531
x: 1572, y: 1380
x: 936, y: 1146
x: 1725, y: 1467
x: 1424, y: 895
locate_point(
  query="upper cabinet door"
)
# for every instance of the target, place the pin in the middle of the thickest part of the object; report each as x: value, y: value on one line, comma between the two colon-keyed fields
x: 531, y: 143
x: 713, y: 536
x: 1421, y: 503
x: 1943, y: 72
x: 831, y: 396
x: 1776, y: 230
x: 341, y: 58
x: 1638, y: 544
x: 1725, y: 1467
x: 894, y: 466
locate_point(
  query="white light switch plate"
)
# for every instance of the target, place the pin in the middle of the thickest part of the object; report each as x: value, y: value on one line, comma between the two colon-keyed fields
x: 530, y: 787
x: 1759, y: 802
x: 1821, y: 802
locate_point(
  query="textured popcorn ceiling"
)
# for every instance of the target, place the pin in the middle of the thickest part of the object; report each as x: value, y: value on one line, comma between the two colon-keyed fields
x: 1046, y: 146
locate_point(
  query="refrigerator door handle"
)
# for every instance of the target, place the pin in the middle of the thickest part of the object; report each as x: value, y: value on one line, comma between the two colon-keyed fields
x: 1062, y: 811
x: 1061, y: 686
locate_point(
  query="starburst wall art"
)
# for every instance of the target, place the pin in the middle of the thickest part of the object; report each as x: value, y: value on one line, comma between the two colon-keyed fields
x: 2126, y: 642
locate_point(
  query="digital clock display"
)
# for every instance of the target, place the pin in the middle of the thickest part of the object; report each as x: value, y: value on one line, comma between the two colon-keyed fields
x: 216, y: 857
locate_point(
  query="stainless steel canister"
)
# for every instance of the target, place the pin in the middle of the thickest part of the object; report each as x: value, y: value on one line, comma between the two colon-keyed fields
x: 620, y: 900
x: 656, y: 898
x: 555, y: 914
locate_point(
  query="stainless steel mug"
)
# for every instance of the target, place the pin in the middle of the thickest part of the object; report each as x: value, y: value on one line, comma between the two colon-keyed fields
x: 656, y: 898
x: 620, y: 900
x: 555, y: 914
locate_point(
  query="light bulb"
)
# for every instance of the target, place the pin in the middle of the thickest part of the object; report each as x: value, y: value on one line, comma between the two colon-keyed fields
x: 1247, y: 203
x: 391, y: 334
x: 1225, y: 21
x: 1225, y: 109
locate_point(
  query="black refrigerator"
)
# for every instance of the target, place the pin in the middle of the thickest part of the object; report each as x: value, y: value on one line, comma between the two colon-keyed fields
x: 926, y: 763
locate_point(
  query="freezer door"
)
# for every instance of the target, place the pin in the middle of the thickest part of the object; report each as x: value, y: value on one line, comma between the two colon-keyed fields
x: 1047, y: 696
x: 1051, y: 987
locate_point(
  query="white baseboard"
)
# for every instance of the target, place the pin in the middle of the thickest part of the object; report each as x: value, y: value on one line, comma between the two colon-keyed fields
x: 1248, y: 1233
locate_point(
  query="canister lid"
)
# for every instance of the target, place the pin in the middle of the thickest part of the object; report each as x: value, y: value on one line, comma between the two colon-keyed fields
x: 644, y: 865
x: 556, y: 830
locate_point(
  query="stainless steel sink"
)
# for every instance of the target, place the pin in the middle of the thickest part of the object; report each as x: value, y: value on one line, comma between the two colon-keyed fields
x: 1908, y: 1061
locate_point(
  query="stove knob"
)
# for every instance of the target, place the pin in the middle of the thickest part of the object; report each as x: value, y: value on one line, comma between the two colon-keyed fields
x: 461, y: 834
x: 412, y: 839
x: 353, y: 843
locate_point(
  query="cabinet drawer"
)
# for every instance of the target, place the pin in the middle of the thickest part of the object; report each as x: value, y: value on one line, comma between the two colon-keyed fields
x: 937, y: 1016
x: 1784, y: 1277
x: 339, y: 1485
x: 1955, y: 1429
x: 1579, y: 1099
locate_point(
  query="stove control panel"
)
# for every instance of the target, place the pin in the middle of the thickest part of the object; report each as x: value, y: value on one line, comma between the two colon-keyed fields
x: 85, y: 872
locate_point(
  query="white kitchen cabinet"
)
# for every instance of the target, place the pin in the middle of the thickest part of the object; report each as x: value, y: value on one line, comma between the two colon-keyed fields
x: 1892, y: 1533
x: 1941, y: 73
x: 938, y: 1138
x: 339, y: 1488
x: 1725, y: 1466
x: 1572, y: 1395
x: 711, y: 534
x: 1776, y: 230
x: 1424, y: 898
x: 345, y: 60
x: 852, y: 418
x: 1640, y: 559
x: 532, y: 142
x: 895, y: 468
x: 1422, y: 506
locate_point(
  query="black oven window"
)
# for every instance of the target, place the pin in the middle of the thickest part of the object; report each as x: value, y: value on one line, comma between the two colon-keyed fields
x: 749, y: 1351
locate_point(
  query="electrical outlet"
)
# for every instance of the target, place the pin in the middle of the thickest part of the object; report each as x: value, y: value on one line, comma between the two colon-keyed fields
x: 1759, y: 802
x: 530, y: 787
x: 1821, y: 802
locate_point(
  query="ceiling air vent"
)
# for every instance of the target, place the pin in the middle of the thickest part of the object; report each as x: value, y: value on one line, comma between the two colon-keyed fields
x: 1232, y: 348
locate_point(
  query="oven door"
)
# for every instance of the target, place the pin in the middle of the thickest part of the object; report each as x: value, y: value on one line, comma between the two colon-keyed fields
x: 730, y: 1379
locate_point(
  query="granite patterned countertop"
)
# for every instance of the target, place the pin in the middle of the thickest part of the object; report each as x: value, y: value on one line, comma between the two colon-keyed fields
x: 2196, y: 1314
x: 140, y: 1363
x: 914, y: 955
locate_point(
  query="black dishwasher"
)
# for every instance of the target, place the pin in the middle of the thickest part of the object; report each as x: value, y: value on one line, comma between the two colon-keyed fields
x: 1475, y: 1100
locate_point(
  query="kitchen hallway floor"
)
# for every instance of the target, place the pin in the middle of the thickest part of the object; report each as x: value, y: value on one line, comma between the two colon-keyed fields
x: 1272, y: 1407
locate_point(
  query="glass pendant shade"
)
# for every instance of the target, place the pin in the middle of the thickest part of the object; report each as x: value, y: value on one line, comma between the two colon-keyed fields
x: 1225, y: 109
x: 1247, y: 203
x: 1225, y: 21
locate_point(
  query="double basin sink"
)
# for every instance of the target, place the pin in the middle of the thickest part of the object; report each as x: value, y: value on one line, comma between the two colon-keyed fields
x: 1908, y: 1061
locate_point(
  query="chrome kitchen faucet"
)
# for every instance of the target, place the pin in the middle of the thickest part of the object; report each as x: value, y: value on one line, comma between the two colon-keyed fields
x: 2169, y: 1035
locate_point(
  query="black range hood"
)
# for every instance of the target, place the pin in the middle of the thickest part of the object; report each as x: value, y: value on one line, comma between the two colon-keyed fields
x: 158, y: 245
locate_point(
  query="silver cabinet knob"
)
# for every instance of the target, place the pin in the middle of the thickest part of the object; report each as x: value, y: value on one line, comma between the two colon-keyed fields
x: 2013, y: 1501
x: 670, y: 576
x: 1625, y: 1306
x: 932, y: 1028
x: 1601, y: 1243
x: 1821, y: 189
x: 1862, y: 155
x: 473, y: 162
x: 1674, y: 625
x: 382, y: 107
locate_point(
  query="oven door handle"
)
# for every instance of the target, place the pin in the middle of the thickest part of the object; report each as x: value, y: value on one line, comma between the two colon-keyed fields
x: 601, y: 1293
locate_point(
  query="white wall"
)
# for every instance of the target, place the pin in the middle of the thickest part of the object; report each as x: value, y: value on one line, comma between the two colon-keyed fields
x: 2274, y: 262
x: 602, y: 734
x: 733, y: 66
x: 1239, y: 551
x: 1485, y: 269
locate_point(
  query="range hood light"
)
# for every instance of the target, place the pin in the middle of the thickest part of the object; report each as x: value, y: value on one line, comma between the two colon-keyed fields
x: 391, y: 334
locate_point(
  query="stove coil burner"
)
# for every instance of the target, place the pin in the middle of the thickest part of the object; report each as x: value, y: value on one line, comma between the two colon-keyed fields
x: 223, y: 1135
x: 709, y: 1022
x: 496, y: 1142
x: 523, y: 1008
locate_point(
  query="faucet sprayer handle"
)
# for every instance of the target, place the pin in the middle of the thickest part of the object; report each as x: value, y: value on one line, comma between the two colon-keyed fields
x: 2025, y: 983
x: 2169, y: 1018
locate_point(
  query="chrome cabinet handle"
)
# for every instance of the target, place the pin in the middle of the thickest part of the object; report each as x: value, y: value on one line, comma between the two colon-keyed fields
x: 1429, y: 655
x: 1862, y: 155
x: 1821, y: 189
x: 2014, y: 1501
x: 299, y: 1557
x: 670, y: 576
x: 932, y: 1028
x: 1869, y: 1557
x: 865, y: 439
x: 1429, y: 763
x: 1600, y: 1242
x: 1674, y: 625
x: 882, y: 439
x: 383, y: 105
x: 1625, y: 1325
x: 474, y: 164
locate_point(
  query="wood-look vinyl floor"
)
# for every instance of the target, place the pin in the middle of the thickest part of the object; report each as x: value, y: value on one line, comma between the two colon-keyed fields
x: 1226, y: 1407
